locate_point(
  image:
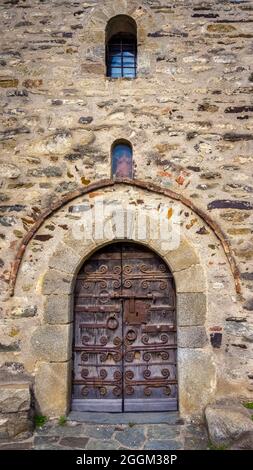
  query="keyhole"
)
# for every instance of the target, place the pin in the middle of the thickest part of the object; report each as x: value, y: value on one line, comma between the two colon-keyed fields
x: 137, y: 313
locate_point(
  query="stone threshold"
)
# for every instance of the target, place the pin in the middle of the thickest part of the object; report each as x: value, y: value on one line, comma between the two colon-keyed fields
x: 125, y: 418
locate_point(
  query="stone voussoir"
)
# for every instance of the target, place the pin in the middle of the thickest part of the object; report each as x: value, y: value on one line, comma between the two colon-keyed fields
x: 183, y: 257
x: 191, y: 279
x: 64, y: 259
x: 56, y: 282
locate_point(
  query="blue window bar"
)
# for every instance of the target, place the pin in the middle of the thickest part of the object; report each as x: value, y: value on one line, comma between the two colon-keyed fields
x: 122, y: 56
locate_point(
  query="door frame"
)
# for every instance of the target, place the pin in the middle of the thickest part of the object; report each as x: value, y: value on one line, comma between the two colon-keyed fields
x: 192, y: 353
x: 57, y: 273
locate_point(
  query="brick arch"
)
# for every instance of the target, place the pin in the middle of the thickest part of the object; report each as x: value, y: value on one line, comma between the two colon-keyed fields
x: 54, y: 280
x: 102, y: 184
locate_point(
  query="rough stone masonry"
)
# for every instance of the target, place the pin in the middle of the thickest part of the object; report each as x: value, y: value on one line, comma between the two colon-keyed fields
x: 189, y: 118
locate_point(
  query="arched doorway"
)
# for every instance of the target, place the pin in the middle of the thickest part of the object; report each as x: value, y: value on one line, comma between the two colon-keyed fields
x: 124, y: 348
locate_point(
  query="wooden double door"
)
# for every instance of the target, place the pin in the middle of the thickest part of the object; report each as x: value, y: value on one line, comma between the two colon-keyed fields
x: 124, y: 351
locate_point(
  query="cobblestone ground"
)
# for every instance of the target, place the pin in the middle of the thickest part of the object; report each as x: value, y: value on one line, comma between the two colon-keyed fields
x: 131, y: 435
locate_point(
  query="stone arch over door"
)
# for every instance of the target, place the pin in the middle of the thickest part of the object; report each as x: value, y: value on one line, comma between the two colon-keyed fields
x: 52, y: 273
x: 193, y: 353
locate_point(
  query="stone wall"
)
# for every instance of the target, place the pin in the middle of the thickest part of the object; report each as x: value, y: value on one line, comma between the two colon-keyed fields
x: 16, y: 410
x: 188, y: 116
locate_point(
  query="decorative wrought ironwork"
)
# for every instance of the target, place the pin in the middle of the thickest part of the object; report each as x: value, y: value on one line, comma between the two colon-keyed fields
x: 129, y: 390
x: 147, y: 391
x: 127, y: 284
x: 163, y: 285
x: 85, y: 391
x: 131, y: 335
x: 117, y: 357
x: 162, y: 268
x: 84, y: 357
x: 146, y: 356
x: 84, y: 373
x: 116, y: 269
x: 103, y: 391
x: 85, y: 339
x: 145, y: 284
x: 164, y: 338
x: 103, y: 269
x: 117, y: 341
x: 144, y: 268
x: 116, y: 284
x: 146, y: 373
x: 129, y: 356
x: 129, y: 375
x: 127, y: 269
x: 103, y: 373
x: 103, y: 357
x: 103, y: 340
x: 158, y: 328
x: 112, y: 323
x: 117, y: 392
x: 165, y: 355
x: 165, y: 373
x: 117, y: 375
x: 145, y: 339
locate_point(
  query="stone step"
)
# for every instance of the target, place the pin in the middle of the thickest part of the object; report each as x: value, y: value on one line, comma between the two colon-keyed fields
x: 125, y: 418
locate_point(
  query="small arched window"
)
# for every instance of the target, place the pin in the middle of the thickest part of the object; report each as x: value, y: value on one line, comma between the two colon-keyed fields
x: 121, y: 47
x: 122, y: 159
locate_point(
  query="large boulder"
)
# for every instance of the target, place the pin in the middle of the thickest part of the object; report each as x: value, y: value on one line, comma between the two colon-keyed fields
x: 227, y: 422
x: 245, y: 442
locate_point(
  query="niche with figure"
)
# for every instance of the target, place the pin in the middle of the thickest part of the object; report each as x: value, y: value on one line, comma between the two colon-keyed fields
x: 122, y: 159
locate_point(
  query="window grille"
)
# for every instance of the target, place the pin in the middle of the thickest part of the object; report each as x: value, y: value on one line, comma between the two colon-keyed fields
x: 122, y: 56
